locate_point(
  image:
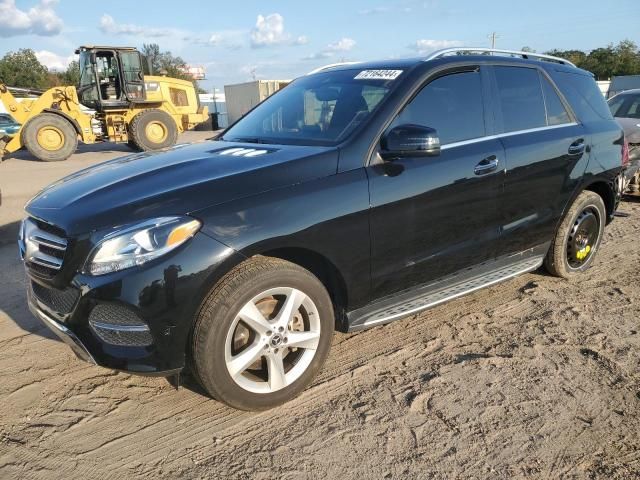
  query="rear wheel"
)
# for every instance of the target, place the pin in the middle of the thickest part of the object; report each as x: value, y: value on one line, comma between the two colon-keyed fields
x: 50, y: 137
x: 577, y: 240
x: 262, y: 334
x: 152, y: 130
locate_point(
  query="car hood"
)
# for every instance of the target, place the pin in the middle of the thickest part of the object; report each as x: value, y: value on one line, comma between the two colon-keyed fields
x: 175, y: 182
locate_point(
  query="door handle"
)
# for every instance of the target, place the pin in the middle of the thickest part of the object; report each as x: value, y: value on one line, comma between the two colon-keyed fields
x: 487, y: 165
x: 577, y: 147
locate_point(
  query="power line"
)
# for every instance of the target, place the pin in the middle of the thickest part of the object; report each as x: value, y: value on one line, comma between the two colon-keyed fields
x: 493, y: 36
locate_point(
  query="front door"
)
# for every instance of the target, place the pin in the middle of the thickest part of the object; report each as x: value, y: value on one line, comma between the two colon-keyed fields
x: 433, y: 216
x: 132, y: 75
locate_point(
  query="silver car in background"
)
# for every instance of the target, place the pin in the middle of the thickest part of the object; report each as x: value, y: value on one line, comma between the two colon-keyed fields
x: 625, y: 107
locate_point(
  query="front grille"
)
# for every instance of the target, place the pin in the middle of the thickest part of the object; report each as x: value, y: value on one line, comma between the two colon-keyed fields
x: 42, y: 247
x: 118, y: 325
x: 60, y: 301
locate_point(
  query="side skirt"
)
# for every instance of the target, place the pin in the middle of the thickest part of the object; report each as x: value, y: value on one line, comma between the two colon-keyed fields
x: 409, y: 302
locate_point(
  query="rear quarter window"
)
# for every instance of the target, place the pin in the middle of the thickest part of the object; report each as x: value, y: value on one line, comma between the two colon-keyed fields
x: 583, y: 94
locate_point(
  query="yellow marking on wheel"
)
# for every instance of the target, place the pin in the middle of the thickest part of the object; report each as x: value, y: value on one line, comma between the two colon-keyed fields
x: 50, y: 138
x: 583, y: 252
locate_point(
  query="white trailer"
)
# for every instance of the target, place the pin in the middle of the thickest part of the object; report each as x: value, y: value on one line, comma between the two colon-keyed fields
x: 242, y: 97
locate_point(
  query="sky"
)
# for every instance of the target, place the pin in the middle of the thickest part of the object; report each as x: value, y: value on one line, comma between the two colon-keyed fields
x: 241, y: 40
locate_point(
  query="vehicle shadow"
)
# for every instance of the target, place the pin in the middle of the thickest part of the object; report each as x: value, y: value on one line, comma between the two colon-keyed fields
x: 631, y: 198
x: 13, y: 299
x: 105, y: 147
x: 9, y: 233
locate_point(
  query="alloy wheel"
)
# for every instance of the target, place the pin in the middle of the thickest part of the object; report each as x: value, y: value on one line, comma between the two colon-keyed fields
x: 272, y: 340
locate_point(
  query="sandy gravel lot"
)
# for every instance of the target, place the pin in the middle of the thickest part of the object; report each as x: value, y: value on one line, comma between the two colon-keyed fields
x: 533, y: 378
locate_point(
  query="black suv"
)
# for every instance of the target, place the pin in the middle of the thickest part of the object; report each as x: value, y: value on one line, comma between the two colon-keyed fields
x: 355, y: 196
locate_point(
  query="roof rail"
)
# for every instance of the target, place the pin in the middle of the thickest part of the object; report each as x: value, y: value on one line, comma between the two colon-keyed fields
x: 331, y: 65
x: 491, y: 51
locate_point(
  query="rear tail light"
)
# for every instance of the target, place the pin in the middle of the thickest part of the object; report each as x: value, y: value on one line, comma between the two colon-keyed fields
x: 625, y: 154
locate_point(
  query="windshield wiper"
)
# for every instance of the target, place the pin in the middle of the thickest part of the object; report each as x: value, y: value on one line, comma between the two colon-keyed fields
x: 247, y: 140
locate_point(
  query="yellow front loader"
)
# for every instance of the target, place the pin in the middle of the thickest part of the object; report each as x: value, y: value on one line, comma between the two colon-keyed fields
x: 114, y: 102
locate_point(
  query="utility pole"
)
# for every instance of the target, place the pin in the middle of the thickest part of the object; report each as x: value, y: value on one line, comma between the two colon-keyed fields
x: 493, y: 36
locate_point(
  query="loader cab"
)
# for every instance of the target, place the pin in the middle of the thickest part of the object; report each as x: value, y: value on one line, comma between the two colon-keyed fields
x: 110, y: 78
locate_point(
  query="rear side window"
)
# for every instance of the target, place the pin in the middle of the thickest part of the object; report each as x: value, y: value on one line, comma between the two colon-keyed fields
x: 452, y: 104
x: 583, y: 95
x: 556, y: 113
x: 520, y: 98
x: 628, y: 106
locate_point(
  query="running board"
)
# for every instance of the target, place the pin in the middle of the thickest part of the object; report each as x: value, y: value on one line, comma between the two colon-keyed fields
x: 406, y: 304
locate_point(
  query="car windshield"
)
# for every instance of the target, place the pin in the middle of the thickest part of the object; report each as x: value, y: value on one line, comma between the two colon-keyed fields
x: 319, y: 109
x: 625, y: 106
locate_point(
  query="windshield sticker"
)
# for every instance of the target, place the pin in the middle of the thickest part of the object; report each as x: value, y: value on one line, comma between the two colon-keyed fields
x: 378, y: 75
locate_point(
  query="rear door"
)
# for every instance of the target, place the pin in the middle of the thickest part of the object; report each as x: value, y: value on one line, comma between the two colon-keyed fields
x: 434, y: 216
x: 546, y: 153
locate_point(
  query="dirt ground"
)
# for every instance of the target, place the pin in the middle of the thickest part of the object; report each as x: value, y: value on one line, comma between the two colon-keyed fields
x: 533, y: 378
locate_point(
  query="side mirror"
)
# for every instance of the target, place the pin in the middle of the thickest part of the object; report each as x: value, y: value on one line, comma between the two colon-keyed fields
x: 92, y: 58
x: 410, y: 141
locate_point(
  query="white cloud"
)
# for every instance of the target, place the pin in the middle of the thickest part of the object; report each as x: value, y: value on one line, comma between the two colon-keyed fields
x: 374, y: 10
x: 385, y: 9
x: 110, y: 26
x: 269, y: 31
x: 427, y: 46
x: 231, y: 39
x: 340, y: 46
x: 53, y: 61
x: 343, y: 45
x: 38, y: 20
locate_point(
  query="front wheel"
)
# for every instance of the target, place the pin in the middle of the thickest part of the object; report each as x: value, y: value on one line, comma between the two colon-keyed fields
x: 578, y: 238
x: 50, y: 137
x: 262, y: 334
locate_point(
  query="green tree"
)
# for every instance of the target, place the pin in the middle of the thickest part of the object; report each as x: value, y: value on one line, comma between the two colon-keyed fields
x: 71, y: 76
x: 157, y: 62
x: 161, y: 62
x: 22, y: 69
x: 606, y: 62
x: 576, y: 57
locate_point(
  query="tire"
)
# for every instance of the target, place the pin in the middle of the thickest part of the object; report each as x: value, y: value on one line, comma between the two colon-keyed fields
x: 152, y: 130
x: 223, y: 343
x: 50, y: 137
x: 578, y: 238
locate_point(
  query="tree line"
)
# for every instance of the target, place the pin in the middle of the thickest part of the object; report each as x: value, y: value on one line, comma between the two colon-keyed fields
x: 605, y: 62
x: 23, y: 69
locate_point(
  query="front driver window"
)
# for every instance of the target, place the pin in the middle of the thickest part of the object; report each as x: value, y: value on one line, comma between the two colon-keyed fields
x: 452, y: 104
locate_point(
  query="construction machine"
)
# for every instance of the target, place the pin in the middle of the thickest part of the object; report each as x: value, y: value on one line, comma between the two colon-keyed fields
x: 114, y: 102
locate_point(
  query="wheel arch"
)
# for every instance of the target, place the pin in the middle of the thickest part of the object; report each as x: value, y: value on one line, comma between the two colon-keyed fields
x: 607, y: 191
x: 67, y: 117
x: 324, y: 269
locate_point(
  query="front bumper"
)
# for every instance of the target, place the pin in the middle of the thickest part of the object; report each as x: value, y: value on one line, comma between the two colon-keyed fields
x: 62, y: 332
x: 163, y: 295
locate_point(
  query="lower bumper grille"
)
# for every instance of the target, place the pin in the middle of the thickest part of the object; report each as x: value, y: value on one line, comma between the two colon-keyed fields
x: 117, y: 325
x: 60, y: 301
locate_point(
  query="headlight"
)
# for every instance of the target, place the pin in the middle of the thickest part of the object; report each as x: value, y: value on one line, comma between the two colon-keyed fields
x: 140, y: 243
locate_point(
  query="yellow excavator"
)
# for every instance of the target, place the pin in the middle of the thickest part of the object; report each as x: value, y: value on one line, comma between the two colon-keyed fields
x: 114, y: 102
